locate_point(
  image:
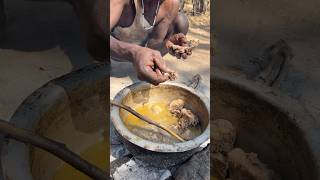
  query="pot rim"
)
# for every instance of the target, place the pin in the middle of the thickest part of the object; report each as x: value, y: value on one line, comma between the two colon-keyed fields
x: 296, y: 112
x: 153, y: 146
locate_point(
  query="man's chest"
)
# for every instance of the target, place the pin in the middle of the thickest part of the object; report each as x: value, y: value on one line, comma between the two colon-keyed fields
x: 129, y: 14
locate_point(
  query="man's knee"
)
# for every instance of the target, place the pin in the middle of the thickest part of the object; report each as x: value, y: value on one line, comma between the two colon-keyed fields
x: 181, y: 24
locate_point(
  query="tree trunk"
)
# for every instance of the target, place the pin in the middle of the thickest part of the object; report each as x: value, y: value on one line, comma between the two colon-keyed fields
x: 199, y: 7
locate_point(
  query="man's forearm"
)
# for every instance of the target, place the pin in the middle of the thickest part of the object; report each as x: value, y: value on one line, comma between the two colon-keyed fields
x: 121, y: 50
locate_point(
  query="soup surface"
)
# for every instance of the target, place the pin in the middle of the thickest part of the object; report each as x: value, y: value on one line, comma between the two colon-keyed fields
x: 96, y: 154
x: 158, y: 112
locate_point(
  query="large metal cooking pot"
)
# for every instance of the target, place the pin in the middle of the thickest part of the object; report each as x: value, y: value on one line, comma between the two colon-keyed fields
x: 160, y: 154
x: 272, y: 125
x: 72, y: 109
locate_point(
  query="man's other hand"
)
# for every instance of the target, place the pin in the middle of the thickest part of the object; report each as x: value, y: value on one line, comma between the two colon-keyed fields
x: 177, y: 45
x: 150, y: 66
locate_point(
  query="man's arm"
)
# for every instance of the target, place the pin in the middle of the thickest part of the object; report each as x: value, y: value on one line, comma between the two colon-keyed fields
x: 148, y: 63
x: 120, y: 49
x: 164, y: 36
x: 162, y: 30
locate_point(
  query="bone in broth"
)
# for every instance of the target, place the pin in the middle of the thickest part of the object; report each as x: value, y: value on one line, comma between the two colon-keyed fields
x: 96, y: 154
x: 158, y: 112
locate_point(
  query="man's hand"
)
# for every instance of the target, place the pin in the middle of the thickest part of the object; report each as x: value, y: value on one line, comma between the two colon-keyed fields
x: 150, y: 66
x: 178, y: 46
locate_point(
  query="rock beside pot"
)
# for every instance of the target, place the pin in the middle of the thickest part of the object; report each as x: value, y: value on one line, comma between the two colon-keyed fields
x: 196, y: 168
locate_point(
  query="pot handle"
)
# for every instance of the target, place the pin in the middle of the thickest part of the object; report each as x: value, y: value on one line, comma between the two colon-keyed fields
x: 278, y: 55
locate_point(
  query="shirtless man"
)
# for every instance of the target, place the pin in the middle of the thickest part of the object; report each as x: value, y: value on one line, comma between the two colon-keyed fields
x: 142, y: 31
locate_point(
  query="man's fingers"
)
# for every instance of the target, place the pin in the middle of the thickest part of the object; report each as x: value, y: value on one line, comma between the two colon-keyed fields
x: 182, y: 38
x: 159, y: 62
x: 159, y: 73
x: 178, y: 39
x: 154, y: 77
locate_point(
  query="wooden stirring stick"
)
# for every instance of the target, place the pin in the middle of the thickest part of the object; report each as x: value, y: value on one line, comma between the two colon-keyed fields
x: 146, y: 119
x: 56, y: 148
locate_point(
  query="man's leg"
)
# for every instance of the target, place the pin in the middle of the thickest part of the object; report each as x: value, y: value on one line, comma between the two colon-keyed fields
x: 181, y: 24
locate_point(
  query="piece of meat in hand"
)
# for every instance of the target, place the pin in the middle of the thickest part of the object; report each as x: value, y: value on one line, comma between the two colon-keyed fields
x: 179, y: 46
x: 172, y: 75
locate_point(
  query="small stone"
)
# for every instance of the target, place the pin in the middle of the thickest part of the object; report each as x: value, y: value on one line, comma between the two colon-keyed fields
x: 197, y: 168
x: 133, y: 170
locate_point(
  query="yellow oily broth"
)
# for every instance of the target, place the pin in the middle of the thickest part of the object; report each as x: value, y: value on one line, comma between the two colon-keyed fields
x: 96, y: 154
x: 158, y: 112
